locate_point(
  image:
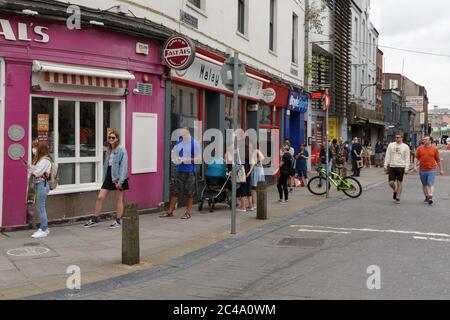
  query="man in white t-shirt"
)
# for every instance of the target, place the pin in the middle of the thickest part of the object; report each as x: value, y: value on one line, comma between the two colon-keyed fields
x: 397, y: 164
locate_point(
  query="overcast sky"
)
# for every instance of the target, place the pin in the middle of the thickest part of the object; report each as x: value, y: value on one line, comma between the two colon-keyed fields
x: 420, y: 26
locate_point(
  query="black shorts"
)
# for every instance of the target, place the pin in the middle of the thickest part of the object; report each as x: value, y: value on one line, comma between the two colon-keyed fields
x: 184, y: 185
x: 396, y: 174
x: 109, y: 185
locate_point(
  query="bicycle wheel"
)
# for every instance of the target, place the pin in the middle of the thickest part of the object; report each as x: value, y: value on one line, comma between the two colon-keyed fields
x: 354, y: 189
x: 318, y: 186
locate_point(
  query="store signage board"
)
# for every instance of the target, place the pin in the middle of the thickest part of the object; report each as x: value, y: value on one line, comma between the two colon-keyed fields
x: 142, y: 48
x: 269, y: 95
x: 25, y: 32
x: 415, y: 102
x: 207, y: 74
x: 298, y: 102
x: 179, y: 52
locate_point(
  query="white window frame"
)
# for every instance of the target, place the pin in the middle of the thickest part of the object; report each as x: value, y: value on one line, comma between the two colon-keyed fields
x: 77, y: 187
x: 245, y: 34
x: 275, y: 25
x: 201, y: 10
x: 2, y: 129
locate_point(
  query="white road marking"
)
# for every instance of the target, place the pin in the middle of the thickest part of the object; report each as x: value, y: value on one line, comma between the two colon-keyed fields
x: 417, y: 233
x: 324, y: 231
x: 432, y: 239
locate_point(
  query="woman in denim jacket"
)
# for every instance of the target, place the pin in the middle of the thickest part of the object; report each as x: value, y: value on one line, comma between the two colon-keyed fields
x: 115, y: 178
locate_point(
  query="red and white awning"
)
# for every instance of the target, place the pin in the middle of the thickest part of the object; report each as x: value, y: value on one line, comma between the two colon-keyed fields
x: 89, y: 81
x: 75, y: 75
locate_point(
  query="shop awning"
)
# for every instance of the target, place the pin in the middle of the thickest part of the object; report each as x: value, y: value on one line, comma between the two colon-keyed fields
x: 66, y: 74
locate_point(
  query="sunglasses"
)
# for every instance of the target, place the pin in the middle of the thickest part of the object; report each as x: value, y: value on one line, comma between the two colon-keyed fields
x: 111, y: 138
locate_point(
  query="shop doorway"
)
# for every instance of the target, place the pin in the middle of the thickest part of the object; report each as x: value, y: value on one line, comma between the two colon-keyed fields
x: 2, y: 130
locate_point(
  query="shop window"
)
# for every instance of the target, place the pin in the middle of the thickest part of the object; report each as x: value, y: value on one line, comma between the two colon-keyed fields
x: 265, y: 115
x: 72, y: 129
x: 229, y: 112
x: 184, y: 107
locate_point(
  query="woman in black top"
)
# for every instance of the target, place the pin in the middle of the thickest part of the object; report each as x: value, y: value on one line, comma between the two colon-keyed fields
x: 285, y: 170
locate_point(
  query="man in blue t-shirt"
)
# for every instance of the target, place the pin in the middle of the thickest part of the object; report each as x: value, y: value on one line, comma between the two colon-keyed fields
x: 185, y: 155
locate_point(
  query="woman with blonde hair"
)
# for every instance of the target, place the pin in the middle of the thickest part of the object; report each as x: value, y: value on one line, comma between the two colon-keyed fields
x: 40, y: 169
x: 115, y: 178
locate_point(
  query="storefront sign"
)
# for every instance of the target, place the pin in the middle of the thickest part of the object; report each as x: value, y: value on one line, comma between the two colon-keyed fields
x: 253, y: 107
x: 43, y: 122
x: 207, y: 74
x: 142, y: 48
x: 415, y: 102
x: 298, y: 102
x: 179, y: 52
x: 269, y: 95
x: 38, y: 33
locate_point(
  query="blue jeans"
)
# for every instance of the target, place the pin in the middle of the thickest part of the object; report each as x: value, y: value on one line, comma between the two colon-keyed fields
x: 42, y: 192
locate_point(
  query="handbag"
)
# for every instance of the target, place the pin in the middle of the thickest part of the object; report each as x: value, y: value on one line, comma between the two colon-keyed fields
x: 241, y: 177
x: 360, y: 163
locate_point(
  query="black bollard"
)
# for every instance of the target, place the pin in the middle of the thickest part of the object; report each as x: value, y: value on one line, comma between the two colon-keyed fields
x: 130, y: 235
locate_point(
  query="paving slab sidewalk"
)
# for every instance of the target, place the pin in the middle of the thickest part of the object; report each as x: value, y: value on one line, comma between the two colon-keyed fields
x: 97, y: 251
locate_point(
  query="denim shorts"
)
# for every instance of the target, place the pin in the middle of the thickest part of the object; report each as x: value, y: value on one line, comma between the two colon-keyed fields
x: 428, y: 178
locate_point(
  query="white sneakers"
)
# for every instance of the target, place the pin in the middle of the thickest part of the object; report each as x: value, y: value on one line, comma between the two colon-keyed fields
x: 41, y: 234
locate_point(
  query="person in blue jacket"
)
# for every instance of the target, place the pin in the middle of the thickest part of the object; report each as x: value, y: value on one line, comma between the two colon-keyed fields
x: 115, y: 178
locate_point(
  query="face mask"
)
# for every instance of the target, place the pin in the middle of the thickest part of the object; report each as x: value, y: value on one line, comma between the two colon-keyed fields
x: 34, y: 151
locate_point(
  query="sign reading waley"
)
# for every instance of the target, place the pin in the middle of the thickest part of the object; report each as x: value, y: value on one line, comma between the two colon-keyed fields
x: 208, y: 75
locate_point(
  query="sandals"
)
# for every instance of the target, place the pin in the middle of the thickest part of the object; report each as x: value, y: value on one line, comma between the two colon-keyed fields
x: 166, y: 215
x: 186, y: 216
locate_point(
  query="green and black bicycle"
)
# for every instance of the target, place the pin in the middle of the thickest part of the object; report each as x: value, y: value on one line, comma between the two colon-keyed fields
x: 349, y: 185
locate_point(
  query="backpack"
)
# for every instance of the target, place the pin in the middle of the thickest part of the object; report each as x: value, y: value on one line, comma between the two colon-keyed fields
x: 53, y: 178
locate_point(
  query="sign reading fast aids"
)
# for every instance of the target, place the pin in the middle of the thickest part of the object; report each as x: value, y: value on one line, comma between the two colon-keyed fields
x: 179, y: 52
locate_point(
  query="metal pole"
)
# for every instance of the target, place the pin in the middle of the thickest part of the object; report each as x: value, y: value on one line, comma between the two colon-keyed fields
x: 235, y: 117
x: 328, y: 151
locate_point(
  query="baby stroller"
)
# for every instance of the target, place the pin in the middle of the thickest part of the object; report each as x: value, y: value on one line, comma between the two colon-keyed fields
x: 215, y: 190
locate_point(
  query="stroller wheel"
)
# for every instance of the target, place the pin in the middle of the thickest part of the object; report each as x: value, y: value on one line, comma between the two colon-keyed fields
x: 200, y: 205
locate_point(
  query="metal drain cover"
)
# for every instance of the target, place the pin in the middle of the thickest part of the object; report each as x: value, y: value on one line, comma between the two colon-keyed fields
x: 28, y: 251
x: 301, y: 243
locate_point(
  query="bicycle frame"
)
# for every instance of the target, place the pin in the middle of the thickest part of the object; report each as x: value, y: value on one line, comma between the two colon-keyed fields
x: 339, y: 183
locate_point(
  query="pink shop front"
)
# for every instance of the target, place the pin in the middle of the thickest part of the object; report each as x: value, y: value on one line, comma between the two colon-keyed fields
x: 69, y: 87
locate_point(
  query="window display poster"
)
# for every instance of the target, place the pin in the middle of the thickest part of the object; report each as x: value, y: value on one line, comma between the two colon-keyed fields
x: 43, y: 136
x: 43, y: 123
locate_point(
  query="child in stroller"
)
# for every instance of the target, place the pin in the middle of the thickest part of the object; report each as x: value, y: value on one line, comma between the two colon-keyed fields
x: 215, y: 190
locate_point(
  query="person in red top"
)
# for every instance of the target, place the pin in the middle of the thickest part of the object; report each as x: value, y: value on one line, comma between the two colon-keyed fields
x: 428, y: 158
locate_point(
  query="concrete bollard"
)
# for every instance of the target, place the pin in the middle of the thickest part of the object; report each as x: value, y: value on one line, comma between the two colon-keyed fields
x: 130, y: 235
x: 261, y: 195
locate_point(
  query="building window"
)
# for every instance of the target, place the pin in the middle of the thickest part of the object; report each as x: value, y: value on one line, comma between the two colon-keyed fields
x: 355, y: 32
x: 272, y: 25
x: 294, y: 38
x: 393, y: 84
x: 196, y: 3
x: 74, y: 130
x: 241, y: 16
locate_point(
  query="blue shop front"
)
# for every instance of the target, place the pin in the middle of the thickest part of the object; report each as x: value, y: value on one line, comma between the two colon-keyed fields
x: 295, y: 118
